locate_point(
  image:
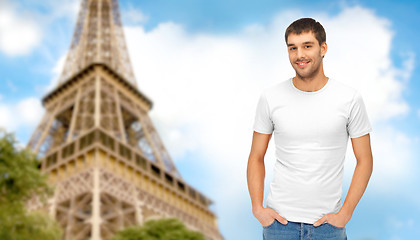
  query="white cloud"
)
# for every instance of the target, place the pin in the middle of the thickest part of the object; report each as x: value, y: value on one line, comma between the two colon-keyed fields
x: 19, y: 33
x: 359, y: 54
x: 6, y: 119
x: 133, y: 16
x: 25, y: 113
x: 30, y: 111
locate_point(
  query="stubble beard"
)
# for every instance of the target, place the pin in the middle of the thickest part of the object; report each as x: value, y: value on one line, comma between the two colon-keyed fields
x: 310, y: 75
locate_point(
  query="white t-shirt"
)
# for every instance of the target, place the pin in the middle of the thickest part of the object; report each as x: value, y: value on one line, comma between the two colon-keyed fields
x: 311, y: 131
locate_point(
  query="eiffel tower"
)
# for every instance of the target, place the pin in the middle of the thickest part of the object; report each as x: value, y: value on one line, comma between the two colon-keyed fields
x: 99, y: 147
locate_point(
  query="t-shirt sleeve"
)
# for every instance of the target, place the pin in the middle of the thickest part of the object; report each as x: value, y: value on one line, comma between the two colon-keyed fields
x: 358, y: 123
x: 263, y: 123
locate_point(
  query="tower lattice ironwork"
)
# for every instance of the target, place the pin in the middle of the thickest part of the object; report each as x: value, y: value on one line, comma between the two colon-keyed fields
x: 99, y: 147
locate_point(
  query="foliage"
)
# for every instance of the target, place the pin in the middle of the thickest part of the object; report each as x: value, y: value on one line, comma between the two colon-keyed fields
x: 162, y: 229
x: 20, y: 177
x: 17, y: 223
x: 20, y: 180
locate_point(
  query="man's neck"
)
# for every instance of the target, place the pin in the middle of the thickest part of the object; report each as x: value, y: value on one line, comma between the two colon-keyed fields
x: 310, y: 84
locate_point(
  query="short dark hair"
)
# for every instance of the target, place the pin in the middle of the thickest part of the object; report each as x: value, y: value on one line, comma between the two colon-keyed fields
x: 304, y: 25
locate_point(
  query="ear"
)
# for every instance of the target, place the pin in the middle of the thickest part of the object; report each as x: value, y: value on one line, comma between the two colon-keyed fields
x: 324, y: 49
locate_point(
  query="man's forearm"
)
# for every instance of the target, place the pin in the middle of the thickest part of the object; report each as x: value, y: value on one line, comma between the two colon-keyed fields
x: 358, y: 185
x: 255, y: 177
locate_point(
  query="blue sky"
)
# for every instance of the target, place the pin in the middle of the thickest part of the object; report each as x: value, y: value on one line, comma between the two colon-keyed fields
x: 204, y: 64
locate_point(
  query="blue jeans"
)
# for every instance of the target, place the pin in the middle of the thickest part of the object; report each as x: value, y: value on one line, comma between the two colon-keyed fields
x: 303, y: 231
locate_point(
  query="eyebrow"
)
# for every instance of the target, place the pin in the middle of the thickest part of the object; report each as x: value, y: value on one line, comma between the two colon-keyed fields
x: 291, y: 44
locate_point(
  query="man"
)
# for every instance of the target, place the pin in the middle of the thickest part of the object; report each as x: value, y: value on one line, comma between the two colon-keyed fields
x: 311, y: 117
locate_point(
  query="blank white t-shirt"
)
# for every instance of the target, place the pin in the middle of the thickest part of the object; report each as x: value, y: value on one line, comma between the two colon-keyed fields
x: 311, y: 131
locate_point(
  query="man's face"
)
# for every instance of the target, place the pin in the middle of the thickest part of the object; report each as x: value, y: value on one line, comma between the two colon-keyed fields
x: 305, y: 54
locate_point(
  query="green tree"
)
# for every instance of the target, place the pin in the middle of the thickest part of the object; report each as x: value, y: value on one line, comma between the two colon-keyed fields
x: 162, y: 229
x: 20, y: 180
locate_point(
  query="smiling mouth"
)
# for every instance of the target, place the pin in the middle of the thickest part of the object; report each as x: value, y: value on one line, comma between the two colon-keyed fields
x: 302, y: 64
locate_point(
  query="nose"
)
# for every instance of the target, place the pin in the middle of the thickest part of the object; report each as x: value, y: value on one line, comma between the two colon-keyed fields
x: 300, y: 53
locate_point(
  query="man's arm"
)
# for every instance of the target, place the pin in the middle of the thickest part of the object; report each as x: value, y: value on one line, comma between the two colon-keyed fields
x: 255, y: 177
x: 359, y: 182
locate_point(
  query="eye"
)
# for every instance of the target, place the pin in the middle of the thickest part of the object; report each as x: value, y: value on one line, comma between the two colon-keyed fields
x: 308, y: 46
x: 292, y: 48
